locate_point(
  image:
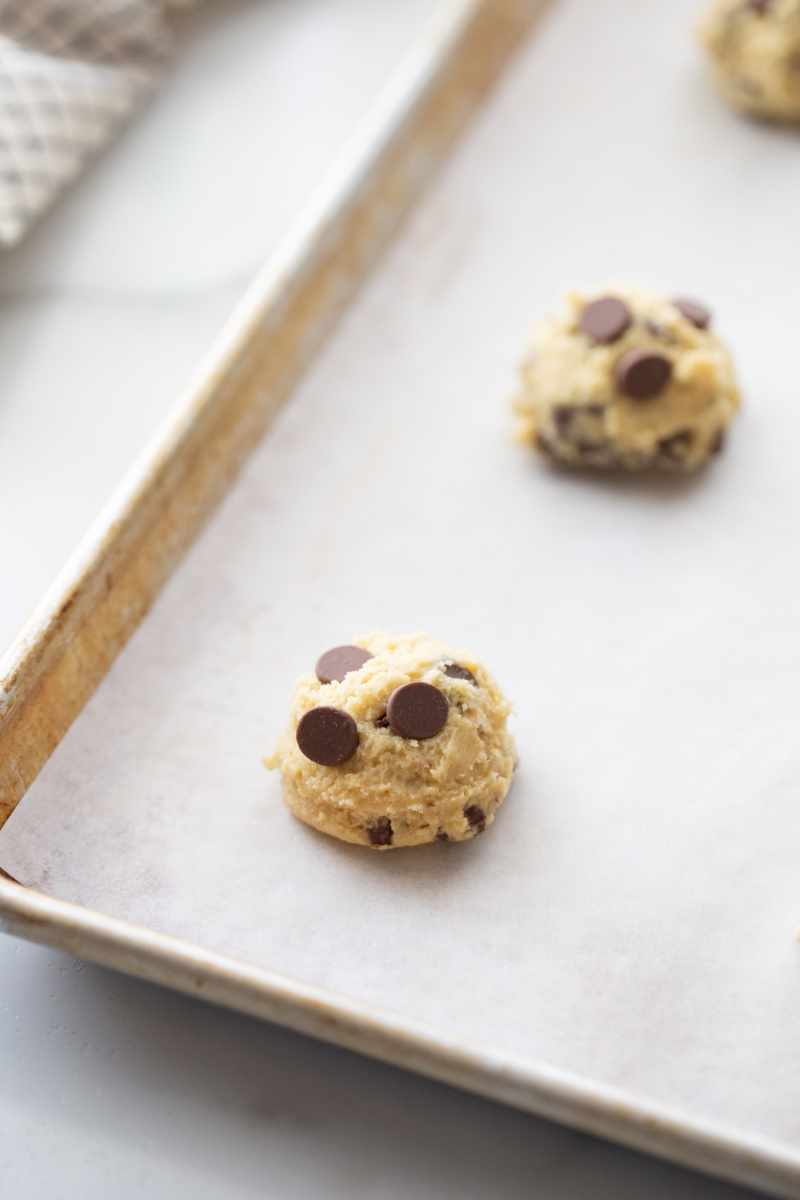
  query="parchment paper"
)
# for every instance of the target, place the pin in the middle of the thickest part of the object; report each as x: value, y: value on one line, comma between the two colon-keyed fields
x: 632, y: 912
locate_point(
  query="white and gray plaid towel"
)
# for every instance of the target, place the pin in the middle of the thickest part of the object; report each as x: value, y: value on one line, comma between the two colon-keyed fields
x: 71, y: 71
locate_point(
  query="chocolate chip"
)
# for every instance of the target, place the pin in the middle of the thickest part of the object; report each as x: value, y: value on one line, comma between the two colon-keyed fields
x: 327, y: 735
x: 563, y: 416
x: 717, y: 442
x: 642, y: 374
x: 417, y: 710
x: 592, y: 452
x: 380, y: 832
x: 695, y: 313
x: 605, y: 320
x: 674, y: 447
x: 454, y: 671
x: 545, y: 447
x: 756, y: 6
x: 334, y: 664
x: 476, y: 817
x: 382, y: 722
x: 441, y: 836
x: 566, y: 415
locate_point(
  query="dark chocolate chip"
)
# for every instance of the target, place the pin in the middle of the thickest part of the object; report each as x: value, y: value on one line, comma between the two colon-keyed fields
x: 565, y: 415
x: 417, y: 710
x: 476, y: 817
x: 454, y: 671
x: 674, y: 447
x: 334, y: 664
x: 642, y: 374
x: 695, y: 313
x: 592, y: 451
x: 382, y: 722
x: 756, y: 6
x: 380, y: 832
x: 544, y: 446
x: 605, y: 320
x: 327, y: 735
x: 717, y: 442
x: 441, y: 836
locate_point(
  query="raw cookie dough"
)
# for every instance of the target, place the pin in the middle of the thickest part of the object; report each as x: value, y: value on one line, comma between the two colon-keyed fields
x: 396, y: 741
x: 628, y: 379
x: 754, y: 47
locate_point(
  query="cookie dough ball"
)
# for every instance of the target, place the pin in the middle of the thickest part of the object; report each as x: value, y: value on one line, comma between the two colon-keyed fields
x: 627, y: 380
x: 754, y: 47
x: 396, y: 741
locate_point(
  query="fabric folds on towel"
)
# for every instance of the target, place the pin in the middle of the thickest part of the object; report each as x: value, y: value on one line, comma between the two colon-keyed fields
x: 71, y: 71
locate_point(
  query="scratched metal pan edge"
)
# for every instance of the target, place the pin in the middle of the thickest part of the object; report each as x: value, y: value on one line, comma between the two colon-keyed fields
x: 165, y: 499
x: 100, y: 597
x: 560, y: 1095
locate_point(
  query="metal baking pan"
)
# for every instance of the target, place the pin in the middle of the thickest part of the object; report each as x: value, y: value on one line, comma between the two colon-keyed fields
x: 618, y: 952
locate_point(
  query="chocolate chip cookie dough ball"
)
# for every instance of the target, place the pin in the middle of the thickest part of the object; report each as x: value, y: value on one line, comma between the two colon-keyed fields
x: 627, y: 380
x: 396, y: 741
x: 754, y: 48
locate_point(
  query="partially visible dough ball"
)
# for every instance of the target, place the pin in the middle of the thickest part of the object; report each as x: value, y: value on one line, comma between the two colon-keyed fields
x: 754, y: 47
x: 396, y: 741
x: 628, y: 379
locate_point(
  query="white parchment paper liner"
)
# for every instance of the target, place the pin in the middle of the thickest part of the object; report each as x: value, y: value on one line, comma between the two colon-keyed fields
x: 632, y: 912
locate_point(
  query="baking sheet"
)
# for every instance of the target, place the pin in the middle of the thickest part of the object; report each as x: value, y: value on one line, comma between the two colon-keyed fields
x: 631, y: 915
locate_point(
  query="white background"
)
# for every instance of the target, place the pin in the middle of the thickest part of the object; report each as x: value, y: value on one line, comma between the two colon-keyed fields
x: 108, y: 1085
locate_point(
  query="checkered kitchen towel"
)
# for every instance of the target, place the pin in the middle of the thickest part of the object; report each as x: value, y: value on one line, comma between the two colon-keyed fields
x: 71, y: 71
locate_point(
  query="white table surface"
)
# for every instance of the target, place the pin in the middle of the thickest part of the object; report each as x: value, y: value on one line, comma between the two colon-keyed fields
x: 109, y: 1086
